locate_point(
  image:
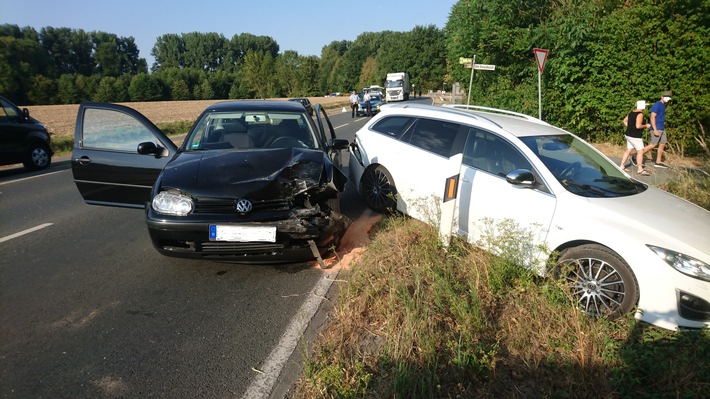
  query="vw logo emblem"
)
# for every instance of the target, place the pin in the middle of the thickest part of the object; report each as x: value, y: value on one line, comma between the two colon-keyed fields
x: 243, y: 206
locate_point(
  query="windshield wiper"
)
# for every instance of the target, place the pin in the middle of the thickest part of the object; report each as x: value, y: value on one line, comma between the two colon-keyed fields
x: 593, y: 190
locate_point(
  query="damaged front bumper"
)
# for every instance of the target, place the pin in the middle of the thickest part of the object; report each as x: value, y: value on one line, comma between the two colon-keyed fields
x: 190, y: 238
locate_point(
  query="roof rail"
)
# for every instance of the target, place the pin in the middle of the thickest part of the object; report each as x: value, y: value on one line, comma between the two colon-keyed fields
x: 494, y: 110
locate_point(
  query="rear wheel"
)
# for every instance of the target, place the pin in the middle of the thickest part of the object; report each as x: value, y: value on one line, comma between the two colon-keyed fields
x: 379, y: 190
x: 599, y: 280
x: 38, y: 157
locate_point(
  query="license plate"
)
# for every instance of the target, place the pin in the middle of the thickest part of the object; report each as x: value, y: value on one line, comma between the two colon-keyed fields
x: 242, y: 233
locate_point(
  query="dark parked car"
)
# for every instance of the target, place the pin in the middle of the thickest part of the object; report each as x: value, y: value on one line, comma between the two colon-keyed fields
x: 23, y: 139
x: 306, y: 104
x: 253, y: 181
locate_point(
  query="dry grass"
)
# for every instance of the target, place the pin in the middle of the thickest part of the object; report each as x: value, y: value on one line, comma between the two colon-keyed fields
x: 60, y: 119
x: 416, y: 321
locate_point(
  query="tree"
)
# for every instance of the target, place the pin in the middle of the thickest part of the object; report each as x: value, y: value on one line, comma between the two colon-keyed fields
x: 42, y: 90
x: 168, y: 52
x: 144, y: 88
x: 20, y: 60
x: 106, y: 92
x: 179, y: 91
x: 258, y: 70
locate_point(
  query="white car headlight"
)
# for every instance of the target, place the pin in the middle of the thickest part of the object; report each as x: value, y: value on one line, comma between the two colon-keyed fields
x: 683, y: 263
x: 171, y: 203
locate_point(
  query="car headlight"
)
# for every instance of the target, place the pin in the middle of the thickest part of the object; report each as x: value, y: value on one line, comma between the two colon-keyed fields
x: 683, y: 263
x: 171, y: 203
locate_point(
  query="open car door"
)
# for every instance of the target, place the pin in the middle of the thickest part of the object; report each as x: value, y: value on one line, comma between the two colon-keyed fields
x: 118, y: 154
x: 334, y: 145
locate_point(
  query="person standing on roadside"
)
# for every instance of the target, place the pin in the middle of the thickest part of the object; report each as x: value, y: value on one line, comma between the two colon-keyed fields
x: 634, y: 141
x: 367, y: 98
x: 658, y: 128
x: 354, y: 102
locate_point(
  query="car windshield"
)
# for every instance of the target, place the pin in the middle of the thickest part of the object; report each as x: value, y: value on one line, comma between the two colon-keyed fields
x: 245, y: 130
x: 580, y: 168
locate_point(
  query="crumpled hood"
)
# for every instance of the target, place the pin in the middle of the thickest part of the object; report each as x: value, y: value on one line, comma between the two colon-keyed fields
x: 236, y: 174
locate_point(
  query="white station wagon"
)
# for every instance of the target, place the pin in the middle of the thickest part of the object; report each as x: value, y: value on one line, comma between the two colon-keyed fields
x: 622, y: 245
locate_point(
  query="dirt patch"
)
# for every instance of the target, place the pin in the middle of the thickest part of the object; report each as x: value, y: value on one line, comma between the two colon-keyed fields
x: 354, y: 241
x: 60, y: 119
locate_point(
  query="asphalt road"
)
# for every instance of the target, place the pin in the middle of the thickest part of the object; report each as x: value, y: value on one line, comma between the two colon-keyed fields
x: 88, y: 309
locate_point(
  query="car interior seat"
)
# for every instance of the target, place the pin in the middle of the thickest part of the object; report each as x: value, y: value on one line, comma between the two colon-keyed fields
x: 291, y: 128
x: 236, y: 134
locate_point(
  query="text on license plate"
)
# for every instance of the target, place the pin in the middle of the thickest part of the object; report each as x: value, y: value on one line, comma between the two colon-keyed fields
x: 242, y: 233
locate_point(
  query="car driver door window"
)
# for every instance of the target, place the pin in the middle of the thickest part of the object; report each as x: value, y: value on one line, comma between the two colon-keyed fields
x: 489, y: 206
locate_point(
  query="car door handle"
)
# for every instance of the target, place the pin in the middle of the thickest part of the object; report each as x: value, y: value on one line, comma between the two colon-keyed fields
x: 84, y: 160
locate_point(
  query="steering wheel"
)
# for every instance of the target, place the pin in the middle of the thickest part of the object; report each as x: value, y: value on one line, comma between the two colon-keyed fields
x: 570, y: 170
x: 286, y: 142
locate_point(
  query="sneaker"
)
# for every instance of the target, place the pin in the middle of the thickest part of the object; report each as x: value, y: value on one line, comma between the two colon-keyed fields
x: 660, y: 165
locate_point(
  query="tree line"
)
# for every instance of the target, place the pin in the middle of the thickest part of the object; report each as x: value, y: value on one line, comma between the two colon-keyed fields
x: 66, y: 66
x: 603, y: 56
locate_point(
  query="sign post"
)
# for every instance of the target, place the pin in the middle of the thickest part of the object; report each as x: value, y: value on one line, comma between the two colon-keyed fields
x: 540, y: 57
x: 471, y: 63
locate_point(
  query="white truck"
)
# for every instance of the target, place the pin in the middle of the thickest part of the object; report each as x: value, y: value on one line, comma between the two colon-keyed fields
x: 397, y: 86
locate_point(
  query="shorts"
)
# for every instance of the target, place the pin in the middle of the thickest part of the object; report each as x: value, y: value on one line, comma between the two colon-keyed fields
x: 660, y: 139
x: 634, y: 142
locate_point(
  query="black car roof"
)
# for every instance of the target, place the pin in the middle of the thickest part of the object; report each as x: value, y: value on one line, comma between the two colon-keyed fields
x: 257, y: 105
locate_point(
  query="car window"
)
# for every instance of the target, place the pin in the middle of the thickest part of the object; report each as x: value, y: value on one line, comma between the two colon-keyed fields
x: 489, y: 152
x: 251, y: 130
x: 435, y: 136
x: 8, y: 111
x: 580, y: 168
x: 113, y: 130
x: 393, y: 125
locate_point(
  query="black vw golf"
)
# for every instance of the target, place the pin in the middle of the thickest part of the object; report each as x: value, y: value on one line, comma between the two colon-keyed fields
x: 253, y: 181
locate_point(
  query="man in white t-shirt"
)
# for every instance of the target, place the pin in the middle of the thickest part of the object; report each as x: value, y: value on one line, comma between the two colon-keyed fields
x: 354, y: 102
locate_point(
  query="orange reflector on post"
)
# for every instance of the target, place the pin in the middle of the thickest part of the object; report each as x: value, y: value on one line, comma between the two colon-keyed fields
x: 451, y: 188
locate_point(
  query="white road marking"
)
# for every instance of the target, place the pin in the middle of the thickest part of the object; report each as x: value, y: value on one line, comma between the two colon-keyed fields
x: 21, y: 233
x: 32, y: 177
x: 268, y: 373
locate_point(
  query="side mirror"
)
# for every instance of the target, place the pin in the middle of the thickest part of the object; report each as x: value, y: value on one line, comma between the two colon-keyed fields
x: 521, y: 177
x: 25, y: 114
x: 338, y: 144
x: 148, y: 148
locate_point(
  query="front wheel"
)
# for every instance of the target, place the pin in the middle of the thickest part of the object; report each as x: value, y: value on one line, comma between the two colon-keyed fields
x: 599, y: 280
x: 38, y: 157
x: 379, y: 190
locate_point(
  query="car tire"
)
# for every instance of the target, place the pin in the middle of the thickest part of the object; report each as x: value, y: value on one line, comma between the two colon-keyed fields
x: 38, y: 157
x: 599, y: 280
x: 378, y: 189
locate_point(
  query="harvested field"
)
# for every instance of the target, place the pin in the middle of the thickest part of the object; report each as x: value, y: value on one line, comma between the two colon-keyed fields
x: 60, y: 119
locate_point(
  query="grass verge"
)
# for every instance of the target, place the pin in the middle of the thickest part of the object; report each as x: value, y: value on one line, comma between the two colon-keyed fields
x: 414, y: 320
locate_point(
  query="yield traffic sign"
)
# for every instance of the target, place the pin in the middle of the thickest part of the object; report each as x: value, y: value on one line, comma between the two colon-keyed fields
x: 540, y: 57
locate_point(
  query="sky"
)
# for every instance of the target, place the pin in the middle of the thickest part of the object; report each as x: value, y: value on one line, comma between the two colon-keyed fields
x: 305, y: 26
